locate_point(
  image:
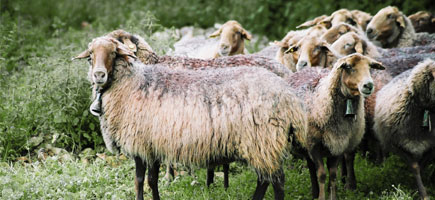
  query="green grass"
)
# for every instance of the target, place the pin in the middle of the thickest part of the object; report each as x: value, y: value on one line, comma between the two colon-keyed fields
x: 55, y: 178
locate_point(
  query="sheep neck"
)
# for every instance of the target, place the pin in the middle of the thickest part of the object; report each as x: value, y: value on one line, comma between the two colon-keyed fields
x: 329, y: 102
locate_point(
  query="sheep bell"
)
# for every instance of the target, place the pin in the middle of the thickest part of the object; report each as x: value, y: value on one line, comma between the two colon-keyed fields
x: 350, y: 112
x: 426, y: 121
x: 95, y: 107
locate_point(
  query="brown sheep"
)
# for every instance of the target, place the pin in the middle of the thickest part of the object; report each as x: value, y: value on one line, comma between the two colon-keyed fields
x: 312, y: 51
x: 231, y: 42
x: 291, y: 39
x: 403, y: 114
x: 331, y: 133
x: 362, y: 18
x: 313, y: 22
x: 241, y: 113
x: 339, y: 16
x: 335, y: 32
x: 351, y: 42
x: 391, y: 28
x: 145, y: 54
x: 423, y: 21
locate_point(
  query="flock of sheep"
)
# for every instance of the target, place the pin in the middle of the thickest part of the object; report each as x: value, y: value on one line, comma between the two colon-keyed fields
x: 320, y: 92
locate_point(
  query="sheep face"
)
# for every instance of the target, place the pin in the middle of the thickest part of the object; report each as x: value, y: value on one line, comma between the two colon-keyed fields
x: 355, y: 77
x: 339, y: 16
x: 312, y: 22
x: 310, y: 51
x: 423, y: 21
x: 232, y: 37
x: 337, y: 31
x: 349, y: 43
x: 386, y: 26
x: 362, y: 18
x: 101, y: 54
x: 289, y: 40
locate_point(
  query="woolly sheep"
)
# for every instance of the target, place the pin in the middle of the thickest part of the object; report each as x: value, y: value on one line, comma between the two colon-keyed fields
x: 391, y: 28
x: 330, y: 132
x: 232, y: 36
x: 351, y: 42
x: 292, y: 39
x: 362, y: 18
x: 147, y: 56
x: 312, y: 51
x: 399, y: 114
x: 423, y: 21
x: 241, y: 113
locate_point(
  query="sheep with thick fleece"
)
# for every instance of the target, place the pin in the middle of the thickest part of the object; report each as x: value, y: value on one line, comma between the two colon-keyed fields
x: 423, y: 21
x: 232, y: 42
x: 402, y: 107
x: 391, y: 28
x: 351, y: 42
x: 330, y: 132
x: 195, y: 117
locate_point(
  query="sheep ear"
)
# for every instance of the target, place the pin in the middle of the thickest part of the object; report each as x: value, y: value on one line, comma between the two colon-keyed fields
x: 401, y: 20
x: 433, y: 20
x: 326, y: 22
x: 216, y: 33
x: 246, y: 35
x: 360, y: 46
x: 281, y: 44
x: 376, y: 65
x: 312, y: 22
x: 83, y: 54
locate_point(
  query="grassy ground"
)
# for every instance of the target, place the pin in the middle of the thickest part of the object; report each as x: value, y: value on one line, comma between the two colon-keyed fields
x: 104, y: 178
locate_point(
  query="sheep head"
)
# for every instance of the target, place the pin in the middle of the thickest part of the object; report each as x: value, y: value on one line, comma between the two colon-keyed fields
x: 101, y: 54
x: 313, y: 22
x: 386, y: 26
x: 335, y: 32
x: 423, y: 21
x: 310, y: 51
x: 362, y: 18
x: 355, y: 74
x: 350, y: 43
x: 232, y: 36
x: 339, y: 16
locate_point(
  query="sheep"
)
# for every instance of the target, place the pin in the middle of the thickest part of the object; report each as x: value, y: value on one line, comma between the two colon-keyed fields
x: 391, y: 28
x: 402, y: 107
x: 289, y: 40
x: 342, y: 15
x: 423, y: 21
x: 362, y: 18
x: 312, y: 51
x: 351, y: 42
x: 241, y: 113
x: 231, y: 42
x: 147, y: 56
x: 330, y: 132
x: 336, y: 31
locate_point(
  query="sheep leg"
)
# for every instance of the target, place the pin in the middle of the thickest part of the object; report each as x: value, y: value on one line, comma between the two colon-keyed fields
x: 260, y: 191
x: 343, y: 170
x: 153, y: 179
x: 349, y: 159
x: 278, y: 185
x: 320, y: 170
x: 226, y: 169
x: 170, y: 174
x: 313, y: 177
x: 415, y: 167
x: 210, y: 175
x: 332, y: 164
x: 140, y: 177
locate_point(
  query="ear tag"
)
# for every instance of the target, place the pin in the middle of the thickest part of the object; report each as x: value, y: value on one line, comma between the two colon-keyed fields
x: 350, y: 112
x: 426, y: 120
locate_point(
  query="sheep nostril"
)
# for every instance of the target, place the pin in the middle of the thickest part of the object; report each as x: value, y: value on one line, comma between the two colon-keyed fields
x: 99, y: 75
x: 369, y: 31
x: 303, y: 63
x: 368, y: 86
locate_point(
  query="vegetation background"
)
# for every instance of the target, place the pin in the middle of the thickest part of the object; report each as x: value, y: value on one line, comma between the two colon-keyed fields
x: 45, y: 97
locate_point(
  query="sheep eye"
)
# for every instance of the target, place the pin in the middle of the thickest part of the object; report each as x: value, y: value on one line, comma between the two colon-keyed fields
x: 90, y: 60
x: 351, y: 22
x: 389, y: 16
